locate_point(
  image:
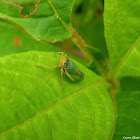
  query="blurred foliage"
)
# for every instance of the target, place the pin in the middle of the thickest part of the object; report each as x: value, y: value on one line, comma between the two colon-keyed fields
x: 88, y: 20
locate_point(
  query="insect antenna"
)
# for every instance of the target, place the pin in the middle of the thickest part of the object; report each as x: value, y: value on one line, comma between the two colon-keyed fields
x: 47, y: 67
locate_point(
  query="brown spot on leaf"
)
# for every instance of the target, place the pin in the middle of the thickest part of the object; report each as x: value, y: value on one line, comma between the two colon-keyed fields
x: 17, y: 41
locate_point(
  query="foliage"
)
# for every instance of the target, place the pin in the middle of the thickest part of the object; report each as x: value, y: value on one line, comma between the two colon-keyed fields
x: 105, y: 105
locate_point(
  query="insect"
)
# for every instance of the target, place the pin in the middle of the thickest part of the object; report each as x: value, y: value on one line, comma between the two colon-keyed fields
x: 69, y: 68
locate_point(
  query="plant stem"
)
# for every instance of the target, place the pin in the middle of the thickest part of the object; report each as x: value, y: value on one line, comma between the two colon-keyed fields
x: 82, y: 45
x: 113, y: 90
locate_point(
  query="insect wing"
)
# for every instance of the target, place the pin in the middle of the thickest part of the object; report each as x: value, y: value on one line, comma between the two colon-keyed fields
x: 73, y: 72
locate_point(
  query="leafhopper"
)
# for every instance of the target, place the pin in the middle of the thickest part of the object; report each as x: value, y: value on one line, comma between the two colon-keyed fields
x: 69, y: 68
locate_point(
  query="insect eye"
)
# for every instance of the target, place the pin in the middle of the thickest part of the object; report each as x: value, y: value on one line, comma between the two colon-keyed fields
x: 64, y: 63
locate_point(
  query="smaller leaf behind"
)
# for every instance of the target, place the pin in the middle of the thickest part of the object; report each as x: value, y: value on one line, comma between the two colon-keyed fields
x: 50, y: 22
x: 16, y: 40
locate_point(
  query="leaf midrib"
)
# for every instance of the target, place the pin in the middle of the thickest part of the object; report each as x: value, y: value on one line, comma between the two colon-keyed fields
x: 56, y: 104
x: 67, y: 28
x: 124, y: 58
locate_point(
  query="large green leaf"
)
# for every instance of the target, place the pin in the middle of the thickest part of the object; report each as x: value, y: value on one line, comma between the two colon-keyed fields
x: 15, y: 40
x: 50, y: 22
x: 34, y: 106
x: 128, y: 119
x: 122, y: 29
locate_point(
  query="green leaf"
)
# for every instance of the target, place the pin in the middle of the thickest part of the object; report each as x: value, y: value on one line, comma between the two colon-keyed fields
x: 122, y: 29
x: 128, y: 118
x: 51, y: 20
x: 15, y: 40
x: 34, y: 106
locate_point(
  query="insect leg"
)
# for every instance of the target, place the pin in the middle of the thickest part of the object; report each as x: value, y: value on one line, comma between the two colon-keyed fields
x: 62, y: 54
x: 62, y: 78
x: 48, y: 67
